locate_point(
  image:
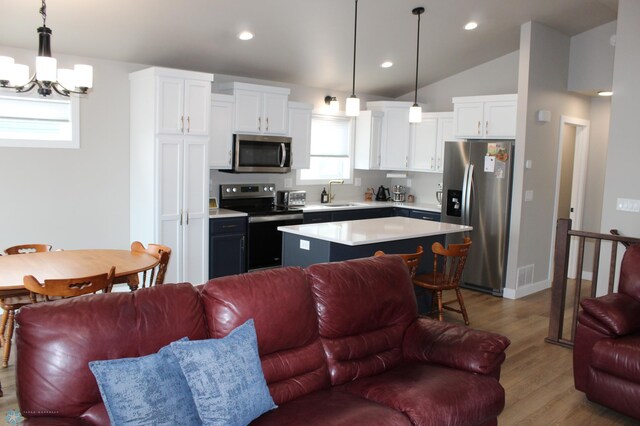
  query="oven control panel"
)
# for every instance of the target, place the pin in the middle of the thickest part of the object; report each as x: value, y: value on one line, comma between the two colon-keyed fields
x: 244, y: 190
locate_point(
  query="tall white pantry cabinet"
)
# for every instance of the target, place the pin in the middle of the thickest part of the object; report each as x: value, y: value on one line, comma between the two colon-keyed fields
x: 169, y: 138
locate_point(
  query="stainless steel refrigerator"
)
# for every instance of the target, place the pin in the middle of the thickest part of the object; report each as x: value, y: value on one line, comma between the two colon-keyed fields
x: 476, y: 190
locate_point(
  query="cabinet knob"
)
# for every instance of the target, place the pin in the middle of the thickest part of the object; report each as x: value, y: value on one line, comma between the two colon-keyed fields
x: 267, y: 124
x: 182, y: 123
x: 486, y: 128
x: 478, y: 128
x: 189, y: 124
x: 259, y: 123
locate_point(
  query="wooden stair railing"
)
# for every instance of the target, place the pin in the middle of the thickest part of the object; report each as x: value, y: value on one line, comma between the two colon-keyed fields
x: 560, y: 272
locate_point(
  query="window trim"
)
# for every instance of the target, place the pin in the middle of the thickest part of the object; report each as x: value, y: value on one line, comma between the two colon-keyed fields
x: 352, y: 144
x: 73, y: 143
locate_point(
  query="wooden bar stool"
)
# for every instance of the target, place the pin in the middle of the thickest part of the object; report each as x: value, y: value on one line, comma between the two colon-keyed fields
x: 412, y: 260
x: 448, y: 265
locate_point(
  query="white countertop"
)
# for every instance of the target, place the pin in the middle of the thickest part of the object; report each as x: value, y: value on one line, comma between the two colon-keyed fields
x: 367, y: 231
x: 354, y: 205
x: 337, y: 205
x: 223, y: 213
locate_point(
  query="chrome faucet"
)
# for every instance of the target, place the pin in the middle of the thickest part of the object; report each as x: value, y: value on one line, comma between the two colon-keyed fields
x: 331, y: 182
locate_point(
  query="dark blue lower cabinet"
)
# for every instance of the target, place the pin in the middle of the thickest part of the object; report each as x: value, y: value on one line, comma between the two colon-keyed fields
x: 227, y: 243
x: 425, y: 215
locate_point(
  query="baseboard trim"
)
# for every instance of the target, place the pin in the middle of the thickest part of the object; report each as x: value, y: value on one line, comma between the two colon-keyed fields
x: 510, y: 293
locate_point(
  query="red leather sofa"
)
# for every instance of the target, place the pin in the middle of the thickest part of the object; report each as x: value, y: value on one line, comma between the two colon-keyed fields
x: 606, y: 352
x: 340, y: 344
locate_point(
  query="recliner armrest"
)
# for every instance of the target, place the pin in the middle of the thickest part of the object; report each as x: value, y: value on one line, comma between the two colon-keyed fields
x: 617, y: 312
x: 454, y: 346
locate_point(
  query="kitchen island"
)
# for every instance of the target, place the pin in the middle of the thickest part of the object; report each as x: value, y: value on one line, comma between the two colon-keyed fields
x: 304, y: 245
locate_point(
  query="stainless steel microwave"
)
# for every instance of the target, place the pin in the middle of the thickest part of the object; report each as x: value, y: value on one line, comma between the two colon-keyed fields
x: 261, y: 154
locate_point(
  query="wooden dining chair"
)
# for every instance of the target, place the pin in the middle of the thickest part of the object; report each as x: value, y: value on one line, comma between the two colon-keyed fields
x: 17, y: 300
x: 412, y: 260
x: 28, y: 248
x: 448, y: 265
x: 154, y: 276
x: 68, y: 287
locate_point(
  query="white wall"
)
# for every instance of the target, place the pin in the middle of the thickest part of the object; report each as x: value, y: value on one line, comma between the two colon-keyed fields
x: 544, y: 65
x: 622, y: 171
x: 591, y: 60
x: 495, y: 77
x: 73, y: 198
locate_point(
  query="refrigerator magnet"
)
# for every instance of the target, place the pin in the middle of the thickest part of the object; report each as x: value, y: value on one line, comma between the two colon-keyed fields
x: 489, y: 163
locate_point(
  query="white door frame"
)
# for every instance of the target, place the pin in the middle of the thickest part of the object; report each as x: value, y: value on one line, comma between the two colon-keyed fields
x: 578, y: 185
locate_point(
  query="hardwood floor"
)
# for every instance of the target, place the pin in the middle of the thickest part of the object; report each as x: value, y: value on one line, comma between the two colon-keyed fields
x: 537, y: 376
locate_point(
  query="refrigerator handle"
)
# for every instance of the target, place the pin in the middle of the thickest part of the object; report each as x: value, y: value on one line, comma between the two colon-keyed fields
x: 466, y: 194
x: 465, y: 191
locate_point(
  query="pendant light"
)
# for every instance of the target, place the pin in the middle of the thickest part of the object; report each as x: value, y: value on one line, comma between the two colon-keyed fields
x: 415, y: 112
x: 48, y: 77
x: 352, y: 107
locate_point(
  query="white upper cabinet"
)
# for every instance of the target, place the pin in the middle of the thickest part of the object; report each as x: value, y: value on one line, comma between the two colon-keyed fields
x: 259, y: 109
x: 485, y: 117
x: 183, y: 106
x: 221, y: 141
x: 395, y: 134
x: 427, y: 141
x: 368, y: 134
x: 300, y: 133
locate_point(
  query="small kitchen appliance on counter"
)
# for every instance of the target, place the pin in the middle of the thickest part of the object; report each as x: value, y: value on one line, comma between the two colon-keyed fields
x: 291, y: 198
x: 398, y: 193
x: 383, y: 194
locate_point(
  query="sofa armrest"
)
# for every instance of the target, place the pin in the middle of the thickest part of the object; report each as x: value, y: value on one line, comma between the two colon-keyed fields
x: 454, y: 346
x: 617, y: 312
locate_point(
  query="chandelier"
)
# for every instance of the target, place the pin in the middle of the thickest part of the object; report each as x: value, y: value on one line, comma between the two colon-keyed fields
x: 47, y: 77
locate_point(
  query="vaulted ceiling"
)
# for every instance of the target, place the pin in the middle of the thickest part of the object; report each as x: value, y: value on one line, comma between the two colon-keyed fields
x: 306, y: 42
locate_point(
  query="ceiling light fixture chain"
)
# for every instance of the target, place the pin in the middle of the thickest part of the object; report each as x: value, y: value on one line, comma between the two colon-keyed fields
x: 47, y: 77
x: 352, y: 107
x: 415, y: 112
x: 43, y: 12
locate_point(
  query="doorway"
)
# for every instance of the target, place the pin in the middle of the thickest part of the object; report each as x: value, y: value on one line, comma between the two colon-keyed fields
x: 573, y: 155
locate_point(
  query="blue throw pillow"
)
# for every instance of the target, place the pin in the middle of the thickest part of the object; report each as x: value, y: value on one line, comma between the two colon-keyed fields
x: 149, y: 390
x: 225, y: 377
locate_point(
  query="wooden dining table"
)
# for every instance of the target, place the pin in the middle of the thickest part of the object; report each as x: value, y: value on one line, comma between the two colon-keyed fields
x: 69, y: 264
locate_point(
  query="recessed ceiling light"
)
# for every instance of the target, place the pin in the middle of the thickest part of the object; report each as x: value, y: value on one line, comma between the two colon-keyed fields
x: 471, y: 26
x: 605, y: 93
x: 386, y: 64
x: 245, y: 35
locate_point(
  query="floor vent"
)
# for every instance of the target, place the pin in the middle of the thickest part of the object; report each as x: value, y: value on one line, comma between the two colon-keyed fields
x: 525, y: 275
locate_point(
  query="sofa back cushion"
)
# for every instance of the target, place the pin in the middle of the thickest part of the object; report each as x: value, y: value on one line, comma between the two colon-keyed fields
x: 282, y: 307
x: 56, y: 340
x: 364, y: 307
x: 630, y: 272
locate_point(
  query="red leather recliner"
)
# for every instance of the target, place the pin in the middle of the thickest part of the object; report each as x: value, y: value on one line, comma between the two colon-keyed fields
x: 606, y: 352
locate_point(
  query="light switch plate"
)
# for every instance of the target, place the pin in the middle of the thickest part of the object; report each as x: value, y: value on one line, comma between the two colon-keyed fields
x: 357, y: 181
x: 288, y: 183
x: 528, y: 195
x: 628, y: 205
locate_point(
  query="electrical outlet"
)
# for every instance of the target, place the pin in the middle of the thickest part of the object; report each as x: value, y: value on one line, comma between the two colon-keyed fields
x: 528, y: 195
x: 357, y: 181
x: 288, y: 183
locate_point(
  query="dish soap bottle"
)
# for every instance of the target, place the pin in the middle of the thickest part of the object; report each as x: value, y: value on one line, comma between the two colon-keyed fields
x: 324, y: 197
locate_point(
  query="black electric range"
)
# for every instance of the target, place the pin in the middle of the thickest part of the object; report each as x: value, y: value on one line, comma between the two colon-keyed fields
x: 264, y: 241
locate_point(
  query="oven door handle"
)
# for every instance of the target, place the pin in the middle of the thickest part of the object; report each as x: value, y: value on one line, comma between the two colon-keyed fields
x: 275, y: 218
x: 283, y: 154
